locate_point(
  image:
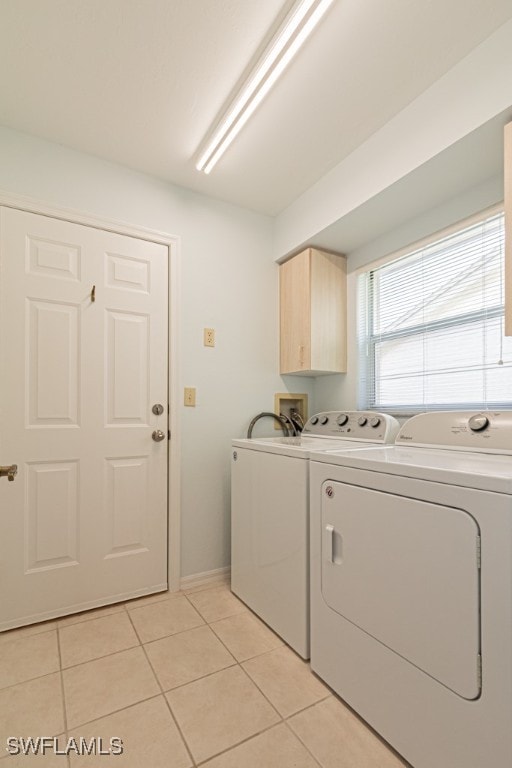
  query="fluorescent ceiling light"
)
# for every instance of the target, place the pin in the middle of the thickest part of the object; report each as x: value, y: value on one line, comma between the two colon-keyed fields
x: 297, y: 27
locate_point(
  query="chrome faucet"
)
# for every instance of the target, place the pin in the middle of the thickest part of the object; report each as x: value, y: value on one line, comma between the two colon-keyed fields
x: 283, y: 421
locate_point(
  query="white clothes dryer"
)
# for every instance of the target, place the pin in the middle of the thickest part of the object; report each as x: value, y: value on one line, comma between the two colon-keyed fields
x: 270, y: 515
x: 411, y: 596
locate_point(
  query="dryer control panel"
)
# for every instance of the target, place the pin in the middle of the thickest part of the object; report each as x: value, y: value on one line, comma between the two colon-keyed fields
x: 354, y: 425
x: 486, y: 431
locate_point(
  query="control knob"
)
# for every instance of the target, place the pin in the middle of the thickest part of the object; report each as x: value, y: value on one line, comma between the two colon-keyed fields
x: 314, y: 420
x: 362, y: 420
x: 342, y: 419
x: 478, y: 423
x: 374, y: 421
x: 324, y: 420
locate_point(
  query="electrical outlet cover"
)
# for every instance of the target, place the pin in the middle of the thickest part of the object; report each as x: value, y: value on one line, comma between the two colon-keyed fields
x: 209, y: 337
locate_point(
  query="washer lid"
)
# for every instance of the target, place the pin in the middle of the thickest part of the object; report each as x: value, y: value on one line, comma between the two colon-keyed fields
x: 298, y: 447
x: 483, y: 471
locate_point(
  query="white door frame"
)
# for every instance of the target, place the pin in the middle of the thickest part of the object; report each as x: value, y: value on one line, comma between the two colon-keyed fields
x: 173, y: 244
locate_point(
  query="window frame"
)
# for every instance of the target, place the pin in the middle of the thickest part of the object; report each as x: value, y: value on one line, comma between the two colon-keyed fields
x: 367, y: 392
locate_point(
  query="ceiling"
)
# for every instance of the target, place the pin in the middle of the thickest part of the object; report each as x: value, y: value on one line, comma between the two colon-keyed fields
x: 140, y: 82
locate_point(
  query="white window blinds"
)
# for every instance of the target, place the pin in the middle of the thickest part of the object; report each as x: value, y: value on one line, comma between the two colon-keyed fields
x: 431, y: 326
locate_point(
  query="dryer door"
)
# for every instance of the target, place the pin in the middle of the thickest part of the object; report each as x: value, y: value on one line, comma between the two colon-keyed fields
x: 407, y: 573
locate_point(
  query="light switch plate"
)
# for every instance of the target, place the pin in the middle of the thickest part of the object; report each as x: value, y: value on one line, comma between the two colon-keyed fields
x: 190, y: 396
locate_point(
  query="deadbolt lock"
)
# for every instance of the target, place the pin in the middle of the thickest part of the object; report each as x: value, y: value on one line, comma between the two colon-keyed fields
x: 9, y: 472
x: 158, y: 409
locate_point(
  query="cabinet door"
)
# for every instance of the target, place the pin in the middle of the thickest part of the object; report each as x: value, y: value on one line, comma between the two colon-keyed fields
x: 508, y: 229
x: 294, y: 278
x: 328, y: 312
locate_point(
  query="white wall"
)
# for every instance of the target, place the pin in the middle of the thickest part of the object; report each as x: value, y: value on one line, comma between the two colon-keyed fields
x: 228, y: 282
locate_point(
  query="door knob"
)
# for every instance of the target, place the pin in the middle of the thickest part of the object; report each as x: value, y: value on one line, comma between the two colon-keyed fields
x: 9, y: 472
x: 158, y: 435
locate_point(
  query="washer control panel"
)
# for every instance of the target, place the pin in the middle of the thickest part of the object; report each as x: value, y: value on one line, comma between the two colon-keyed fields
x: 353, y: 425
x: 489, y: 431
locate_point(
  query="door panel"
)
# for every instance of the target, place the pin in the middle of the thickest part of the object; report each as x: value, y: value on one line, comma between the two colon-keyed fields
x: 53, y: 355
x: 127, y: 273
x: 406, y: 572
x: 51, y: 524
x: 128, y: 355
x: 85, y: 521
x: 126, y: 494
x: 53, y: 259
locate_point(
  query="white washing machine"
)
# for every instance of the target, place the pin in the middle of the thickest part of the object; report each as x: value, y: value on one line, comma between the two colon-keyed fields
x: 411, y: 587
x: 270, y: 515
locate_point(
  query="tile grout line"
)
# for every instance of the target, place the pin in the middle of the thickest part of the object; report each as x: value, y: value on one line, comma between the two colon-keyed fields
x: 283, y: 719
x: 140, y: 643
x: 239, y: 664
x: 106, y: 656
x: 115, y: 711
x: 262, y: 693
x: 112, y: 653
x: 121, y: 709
x: 80, y: 663
x: 36, y: 677
x: 30, y: 680
x: 60, y: 620
x: 236, y: 664
x: 287, y: 725
x: 206, y: 588
x: 124, y: 605
x: 238, y: 661
x: 4, y: 633
x: 249, y: 658
x: 239, y: 743
x: 172, y: 634
x: 353, y: 712
x: 162, y: 693
x: 63, y: 692
x: 196, y: 679
x: 309, y: 706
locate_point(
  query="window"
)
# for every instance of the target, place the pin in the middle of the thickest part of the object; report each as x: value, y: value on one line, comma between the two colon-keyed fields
x: 431, y: 326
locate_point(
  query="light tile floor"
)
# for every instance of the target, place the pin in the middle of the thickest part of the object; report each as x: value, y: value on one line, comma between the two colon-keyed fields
x: 185, y: 679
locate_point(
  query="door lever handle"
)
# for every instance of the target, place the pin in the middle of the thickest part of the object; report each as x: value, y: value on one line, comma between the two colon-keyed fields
x: 9, y: 472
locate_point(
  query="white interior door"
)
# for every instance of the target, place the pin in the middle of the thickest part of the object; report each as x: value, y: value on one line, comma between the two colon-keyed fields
x: 85, y: 521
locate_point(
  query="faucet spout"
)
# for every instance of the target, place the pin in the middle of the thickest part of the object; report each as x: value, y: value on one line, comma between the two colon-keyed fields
x: 278, y: 417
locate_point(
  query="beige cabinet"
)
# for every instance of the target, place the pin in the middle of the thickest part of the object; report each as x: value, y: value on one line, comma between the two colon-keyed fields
x: 508, y: 229
x: 313, y: 291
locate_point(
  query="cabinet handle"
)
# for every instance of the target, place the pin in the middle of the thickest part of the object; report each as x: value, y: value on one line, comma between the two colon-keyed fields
x: 301, y: 355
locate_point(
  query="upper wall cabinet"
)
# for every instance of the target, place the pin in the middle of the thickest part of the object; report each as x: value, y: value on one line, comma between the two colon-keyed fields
x: 508, y: 229
x: 313, y: 313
